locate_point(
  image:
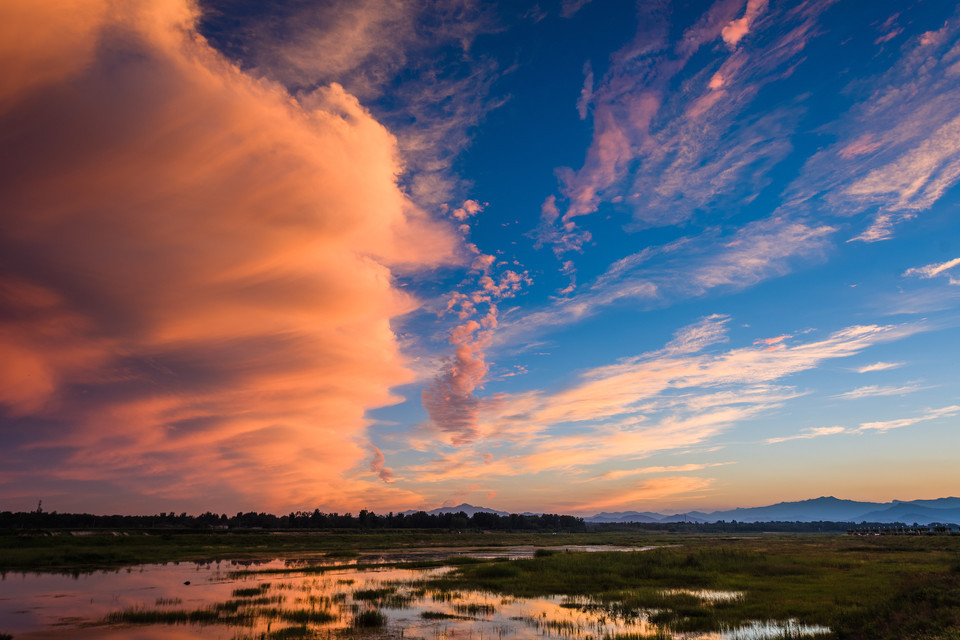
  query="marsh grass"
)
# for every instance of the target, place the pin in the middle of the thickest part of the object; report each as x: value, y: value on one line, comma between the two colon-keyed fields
x: 374, y: 594
x: 371, y: 618
x: 241, y: 612
x: 439, y: 615
x: 302, y: 632
x: 475, y: 609
x: 884, y: 589
x: 251, y: 592
x: 42, y: 550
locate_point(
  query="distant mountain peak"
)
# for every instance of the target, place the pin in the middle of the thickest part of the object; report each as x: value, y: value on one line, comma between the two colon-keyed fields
x: 824, y: 508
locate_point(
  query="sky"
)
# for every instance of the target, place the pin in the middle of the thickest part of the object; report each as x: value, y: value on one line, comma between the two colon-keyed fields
x: 567, y: 256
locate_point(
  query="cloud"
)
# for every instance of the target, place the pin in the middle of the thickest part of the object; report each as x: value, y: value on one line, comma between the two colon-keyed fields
x: 930, y: 414
x: 934, y: 270
x: 687, y: 268
x: 898, y: 149
x: 651, y: 403
x: 450, y: 398
x: 737, y: 29
x: 197, y: 272
x: 673, y: 133
x: 646, y: 493
x: 878, y: 366
x: 696, y: 337
x: 377, y: 466
x: 681, y: 468
x: 872, y: 391
x: 569, y: 8
x: 410, y: 62
x: 816, y: 432
x: 916, y: 179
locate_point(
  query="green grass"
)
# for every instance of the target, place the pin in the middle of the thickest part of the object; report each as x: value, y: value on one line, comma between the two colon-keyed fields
x: 59, y: 551
x: 231, y: 612
x: 881, y: 589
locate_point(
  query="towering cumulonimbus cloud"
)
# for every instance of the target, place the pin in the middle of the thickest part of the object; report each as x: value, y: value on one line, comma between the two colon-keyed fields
x: 196, y: 269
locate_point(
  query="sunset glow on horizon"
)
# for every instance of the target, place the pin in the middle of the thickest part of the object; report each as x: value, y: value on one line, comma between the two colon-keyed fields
x: 566, y: 257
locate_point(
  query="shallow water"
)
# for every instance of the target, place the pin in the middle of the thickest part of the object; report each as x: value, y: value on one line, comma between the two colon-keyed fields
x: 45, y: 606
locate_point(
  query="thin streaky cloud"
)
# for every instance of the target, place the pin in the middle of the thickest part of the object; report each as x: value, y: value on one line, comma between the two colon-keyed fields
x: 872, y: 391
x: 934, y: 270
x: 879, y: 366
x: 686, y: 269
x: 898, y: 149
x: 816, y: 432
x: 930, y: 414
x: 681, y: 468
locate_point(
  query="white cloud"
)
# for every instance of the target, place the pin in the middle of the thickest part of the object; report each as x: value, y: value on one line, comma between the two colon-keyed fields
x: 816, y: 432
x: 696, y: 337
x: 936, y: 269
x: 899, y: 148
x: 872, y: 391
x: 687, y: 268
x: 930, y: 414
x: 654, y: 402
x: 878, y: 366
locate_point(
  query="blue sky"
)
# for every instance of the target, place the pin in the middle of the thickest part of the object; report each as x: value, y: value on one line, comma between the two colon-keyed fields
x: 569, y: 256
x: 784, y: 178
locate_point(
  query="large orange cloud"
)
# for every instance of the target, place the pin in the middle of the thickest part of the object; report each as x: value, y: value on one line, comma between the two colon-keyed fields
x: 196, y: 270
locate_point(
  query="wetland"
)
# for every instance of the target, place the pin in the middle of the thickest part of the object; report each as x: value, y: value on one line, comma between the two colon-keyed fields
x: 449, y: 586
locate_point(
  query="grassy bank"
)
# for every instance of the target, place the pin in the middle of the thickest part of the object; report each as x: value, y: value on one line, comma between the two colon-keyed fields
x: 862, y: 588
x: 60, y: 551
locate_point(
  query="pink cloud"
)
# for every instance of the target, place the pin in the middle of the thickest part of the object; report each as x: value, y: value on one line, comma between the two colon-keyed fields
x: 656, y: 402
x: 647, y: 493
x: 198, y: 276
x: 378, y: 466
x: 737, y: 29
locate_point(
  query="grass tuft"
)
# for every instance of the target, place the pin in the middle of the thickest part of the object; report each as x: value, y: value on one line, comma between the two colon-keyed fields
x: 368, y: 619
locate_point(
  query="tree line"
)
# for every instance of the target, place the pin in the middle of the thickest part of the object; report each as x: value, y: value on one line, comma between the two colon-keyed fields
x: 299, y: 520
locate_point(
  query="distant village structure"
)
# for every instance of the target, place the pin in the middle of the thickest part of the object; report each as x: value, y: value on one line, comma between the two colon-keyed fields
x: 938, y: 530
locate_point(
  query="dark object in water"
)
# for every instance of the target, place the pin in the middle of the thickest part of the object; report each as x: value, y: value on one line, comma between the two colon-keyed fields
x: 187, y: 582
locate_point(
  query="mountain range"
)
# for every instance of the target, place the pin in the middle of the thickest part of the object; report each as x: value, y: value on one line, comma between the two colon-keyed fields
x: 827, y: 508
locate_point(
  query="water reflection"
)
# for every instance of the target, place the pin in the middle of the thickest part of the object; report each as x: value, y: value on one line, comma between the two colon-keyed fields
x: 243, y: 600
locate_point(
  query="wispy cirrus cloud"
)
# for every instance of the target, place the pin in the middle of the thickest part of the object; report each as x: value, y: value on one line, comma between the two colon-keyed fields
x: 656, y: 490
x: 687, y: 268
x: 671, y: 137
x: 679, y: 468
x: 898, y: 149
x: 368, y: 46
x: 664, y: 400
x: 930, y: 414
x: 816, y: 432
x: 878, y: 366
x: 934, y: 270
x: 197, y: 279
x: 873, y: 390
